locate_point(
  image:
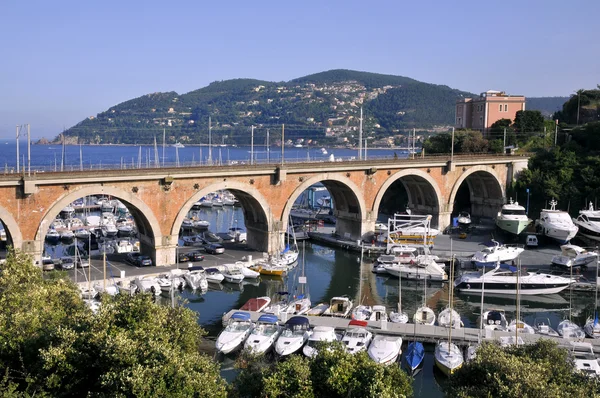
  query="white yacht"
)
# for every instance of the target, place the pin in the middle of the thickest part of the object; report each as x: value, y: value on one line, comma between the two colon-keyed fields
x: 339, y: 306
x: 570, y: 330
x: 503, y: 280
x: 238, y: 328
x: 385, y: 349
x: 495, y: 253
x: 295, y: 333
x: 494, y: 320
x: 263, y: 336
x: 362, y: 312
x: 557, y: 224
x: 422, y: 267
x: 464, y: 219
x: 232, y: 274
x: 574, y: 256
x: 512, y: 218
x: 319, y: 333
x: 588, y: 222
x: 357, y: 338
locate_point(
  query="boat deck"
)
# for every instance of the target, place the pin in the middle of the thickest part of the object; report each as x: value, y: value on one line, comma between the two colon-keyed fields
x: 423, y: 333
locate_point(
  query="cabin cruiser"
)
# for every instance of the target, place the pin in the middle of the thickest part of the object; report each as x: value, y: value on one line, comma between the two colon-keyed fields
x: 109, y: 230
x: 339, y: 306
x: 444, y: 318
x: 361, y: 312
x: 164, y: 282
x: 263, y: 336
x: 73, y: 223
x: 256, y: 304
x: 448, y: 357
x: 148, y: 285
x: 574, y: 256
x: 378, y: 313
x: 295, y: 333
x: 494, y: 320
x: 232, y: 274
x: 357, y: 337
x: 557, y: 224
x: 52, y: 236
x: 67, y: 235
x: 512, y: 218
x: 423, y: 267
x: 196, y: 278
x: 300, y: 305
x: 424, y: 316
x: 82, y: 234
x: 495, y: 253
x: 588, y: 222
x: 93, y: 221
x: 584, y: 358
x: 239, y: 326
x: 385, y: 349
x: 503, y: 280
x: 67, y: 211
x: 319, y: 333
x: 464, y: 219
x: 213, y: 275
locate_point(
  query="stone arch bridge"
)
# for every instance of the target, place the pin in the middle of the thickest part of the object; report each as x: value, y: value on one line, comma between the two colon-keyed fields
x: 160, y: 198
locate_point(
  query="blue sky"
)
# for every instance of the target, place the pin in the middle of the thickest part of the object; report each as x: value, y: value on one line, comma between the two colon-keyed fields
x: 65, y: 60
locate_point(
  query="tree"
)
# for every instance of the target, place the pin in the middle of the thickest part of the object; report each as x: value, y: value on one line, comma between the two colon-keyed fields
x: 499, y: 125
x: 53, y: 344
x: 534, y: 370
x: 529, y: 121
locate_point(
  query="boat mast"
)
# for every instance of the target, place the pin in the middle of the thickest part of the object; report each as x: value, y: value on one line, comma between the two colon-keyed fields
x: 518, y: 303
x: 163, y: 148
x: 450, y: 297
x: 209, y: 141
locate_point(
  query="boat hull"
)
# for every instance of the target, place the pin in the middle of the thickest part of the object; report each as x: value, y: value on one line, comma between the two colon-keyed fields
x: 514, y: 227
x: 510, y: 289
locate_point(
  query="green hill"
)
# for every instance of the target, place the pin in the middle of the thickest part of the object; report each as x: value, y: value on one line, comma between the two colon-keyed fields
x: 321, y: 108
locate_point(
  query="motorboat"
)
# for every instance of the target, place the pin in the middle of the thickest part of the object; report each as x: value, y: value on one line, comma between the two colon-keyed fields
x: 542, y: 326
x: 494, y: 320
x: 319, y: 334
x: 177, y: 278
x: 92, y: 221
x: 423, y: 268
x: 503, y: 280
x: 247, y: 272
x: 357, y: 338
x: 125, y: 230
x: 82, y: 234
x: 448, y: 357
x: 147, y: 285
x: 570, y: 330
x: 380, y: 227
x: 88, y: 293
x: 413, y: 356
x: 378, y: 313
x: 93, y: 305
x: 67, y: 235
x: 424, y: 316
x: 495, y: 252
x: 521, y: 326
x: 256, y: 304
x: 73, y: 223
x: 196, y: 278
x: 574, y: 256
x: 512, y: 218
x: 265, y: 268
x: 110, y: 288
x: 232, y: 274
x: 126, y: 288
x: 584, y: 359
x: 109, y: 230
x: 318, y: 310
x: 192, y: 241
x: 289, y: 256
x: 361, y: 312
x: 471, y: 351
x: 556, y: 224
x: 300, y: 305
x: 239, y: 326
x: 263, y: 336
x: 164, y: 282
x: 444, y: 318
x: 588, y: 222
x: 52, y: 236
x: 385, y: 349
x: 592, y: 327
x: 339, y: 306
x: 67, y: 211
x: 213, y: 275
x: 279, y: 305
x: 295, y: 333
x: 464, y: 219
x: 58, y: 224
x: 123, y: 246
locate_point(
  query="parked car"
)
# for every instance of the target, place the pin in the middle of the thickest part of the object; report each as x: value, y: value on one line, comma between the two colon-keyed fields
x: 214, y: 248
x: 195, y: 256
x: 132, y: 257
x: 47, y: 264
x: 144, y: 261
x: 182, y: 258
x: 67, y: 263
x: 81, y: 262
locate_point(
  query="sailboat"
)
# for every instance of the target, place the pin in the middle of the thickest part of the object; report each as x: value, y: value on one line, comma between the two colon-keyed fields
x: 361, y: 312
x: 448, y: 357
x: 448, y: 317
x: 567, y: 328
x: 592, y: 326
x: 517, y: 326
x: 301, y: 303
x: 399, y: 316
x: 425, y: 315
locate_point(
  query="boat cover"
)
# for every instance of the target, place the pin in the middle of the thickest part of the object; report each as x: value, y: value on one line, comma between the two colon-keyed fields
x: 356, y: 322
x: 195, y: 268
x: 267, y: 318
x: 298, y: 320
x: 241, y: 316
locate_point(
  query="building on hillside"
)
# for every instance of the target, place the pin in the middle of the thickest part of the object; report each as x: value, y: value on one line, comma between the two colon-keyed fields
x: 481, y: 112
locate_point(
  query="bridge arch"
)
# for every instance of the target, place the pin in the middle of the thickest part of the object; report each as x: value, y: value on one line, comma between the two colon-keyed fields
x: 13, y: 232
x: 350, y: 208
x: 424, y: 195
x: 257, y: 213
x: 146, y: 222
x: 486, y: 191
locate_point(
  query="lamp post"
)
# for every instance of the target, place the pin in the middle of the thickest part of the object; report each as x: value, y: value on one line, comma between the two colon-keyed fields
x: 527, y: 209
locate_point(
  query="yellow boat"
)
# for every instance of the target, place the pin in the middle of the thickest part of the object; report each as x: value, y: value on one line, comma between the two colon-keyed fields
x: 265, y: 269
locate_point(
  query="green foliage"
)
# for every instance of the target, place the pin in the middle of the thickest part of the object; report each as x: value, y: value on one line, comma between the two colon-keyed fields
x: 584, y: 102
x: 332, y: 373
x: 499, y: 125
x: 529, y: 121
x: 370, y: 80
x: 51, y: 343
x: 464, y: 142
x: 537, y: 370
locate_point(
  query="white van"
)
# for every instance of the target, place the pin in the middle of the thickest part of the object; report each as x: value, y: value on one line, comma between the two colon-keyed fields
x: 531, y: 241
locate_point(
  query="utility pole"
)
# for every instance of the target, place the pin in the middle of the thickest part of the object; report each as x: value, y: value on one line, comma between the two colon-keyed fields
x: 164, y: 139
x: 414, y: 142
x: 452, y: 146
x: 366, y: 149
x: 268, y: 148
x: 252, y: 145
x: 18, y: 131
x: 504, y: 137
x: 282, y: 142
x: 28, y: 150
x: 360, y: 134
x: 209, y: 141
x: 80, y: 158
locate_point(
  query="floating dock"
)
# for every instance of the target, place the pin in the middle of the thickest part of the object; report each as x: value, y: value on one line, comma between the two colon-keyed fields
x: 424, y: 333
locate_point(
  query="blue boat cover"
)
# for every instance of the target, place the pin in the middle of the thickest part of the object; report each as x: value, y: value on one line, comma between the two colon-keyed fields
x: 212, y: 270
x: 509, y: 267
x: 241, y: 316
x: 282, y: 293
x: 267, y: 318
x: 195, y: 268
x: 297, y: 320
x: 414, y: 354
